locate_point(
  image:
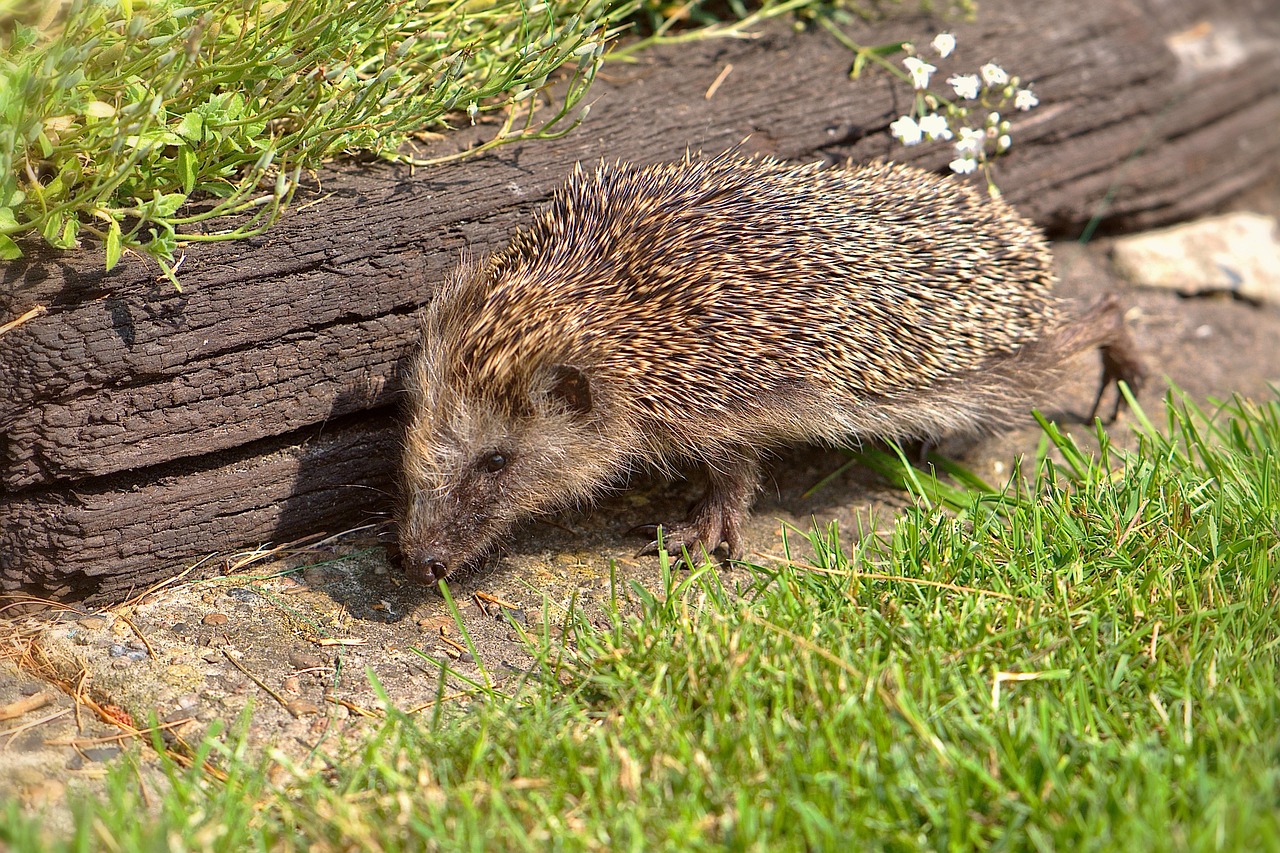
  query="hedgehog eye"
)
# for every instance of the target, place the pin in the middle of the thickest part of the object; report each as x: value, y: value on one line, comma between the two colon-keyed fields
x: 493, y: 463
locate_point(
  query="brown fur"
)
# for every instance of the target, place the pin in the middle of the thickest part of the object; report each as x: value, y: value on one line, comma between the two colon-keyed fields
x: 706, y: 310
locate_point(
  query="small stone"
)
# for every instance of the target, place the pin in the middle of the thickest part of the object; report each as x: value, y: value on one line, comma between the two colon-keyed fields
x: 93, y: 623
x: 301, y: 707
x: 315, y: 576
x: 242, y: 594
x: 180, y: 628
x: 306, y: 660
x: 178, y: 715
x: 1236, y: 252
x: 215, y: 619
x: 436, y: 624
x: 288, y: 583
x: 101, y: 753
x: 234, y: 682
x: 43, y: 794
x: 291, y: 684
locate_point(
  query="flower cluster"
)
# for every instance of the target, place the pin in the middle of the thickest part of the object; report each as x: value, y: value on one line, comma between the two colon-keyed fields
x: 951, y: 117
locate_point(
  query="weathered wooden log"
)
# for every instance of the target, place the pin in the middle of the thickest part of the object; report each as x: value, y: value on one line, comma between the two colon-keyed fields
x: 141, y: 427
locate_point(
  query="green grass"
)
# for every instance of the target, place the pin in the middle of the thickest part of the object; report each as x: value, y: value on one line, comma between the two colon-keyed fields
x: 1090, y: 660
x: 150, y: 124
x: 143, y: 126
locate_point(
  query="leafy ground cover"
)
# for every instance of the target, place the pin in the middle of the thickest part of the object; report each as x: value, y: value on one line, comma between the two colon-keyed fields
x: 1086, y: 659
x: 147, y: 125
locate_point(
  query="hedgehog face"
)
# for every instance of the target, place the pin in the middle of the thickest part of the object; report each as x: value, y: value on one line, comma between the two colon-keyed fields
x: 474, y: 467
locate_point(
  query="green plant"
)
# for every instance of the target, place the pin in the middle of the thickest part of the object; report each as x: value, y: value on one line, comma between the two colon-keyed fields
x: 152, y: 124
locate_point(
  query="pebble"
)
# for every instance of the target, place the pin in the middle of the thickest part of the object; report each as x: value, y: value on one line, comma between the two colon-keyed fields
x: 242, y: 594
x: 306, y: 660
x: 93, y: 623
x: 314, y: 576
x: 234, y: 682
x: 435, y: 624
x: 119, y: 650
x: 301, y: 707
x: 44, y: 793
x: 180, y: 715
x: 1235, y: 252
x: 101, y: 753
x: 215, y: 619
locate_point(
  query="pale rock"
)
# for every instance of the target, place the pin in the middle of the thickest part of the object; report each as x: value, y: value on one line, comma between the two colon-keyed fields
x: 1236, y: 252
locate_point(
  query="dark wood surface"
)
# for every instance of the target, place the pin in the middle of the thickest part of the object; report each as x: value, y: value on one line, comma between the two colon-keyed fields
x: 141, y: 427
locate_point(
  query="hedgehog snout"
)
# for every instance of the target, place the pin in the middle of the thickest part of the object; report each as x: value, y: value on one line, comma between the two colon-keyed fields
x: 426, y: 569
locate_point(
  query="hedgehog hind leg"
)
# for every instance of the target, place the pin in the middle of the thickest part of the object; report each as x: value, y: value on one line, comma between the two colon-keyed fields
x: 718, y: 517
x: 1102, y: 326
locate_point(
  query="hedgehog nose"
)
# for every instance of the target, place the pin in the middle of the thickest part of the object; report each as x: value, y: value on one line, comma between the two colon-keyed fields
x: 437, y: 567
x: 424, y: 569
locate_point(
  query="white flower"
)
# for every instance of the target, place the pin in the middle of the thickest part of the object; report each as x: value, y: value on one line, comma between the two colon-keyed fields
x: 919, y: 70
x: 1004, y: 143
x: 1025, y: 99
x: 994, y: 75
x: 993, y: 119
x: 965, y: 85
x: 971, y: 141
x: 906, y: 130
x: 944, y: 43
x: 963, y: 165
x: 935, y: 126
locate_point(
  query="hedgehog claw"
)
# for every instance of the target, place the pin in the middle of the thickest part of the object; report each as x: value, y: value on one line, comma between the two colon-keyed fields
x: 648, y: 531
x: 710, y: 526
x: 682, y: 539
x: 716, y: 519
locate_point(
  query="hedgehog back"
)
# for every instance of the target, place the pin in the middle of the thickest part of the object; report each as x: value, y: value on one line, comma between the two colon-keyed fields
x: 712, y: 285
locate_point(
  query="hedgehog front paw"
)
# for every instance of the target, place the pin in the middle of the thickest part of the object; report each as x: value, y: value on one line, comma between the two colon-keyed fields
x: 706, y: 531
x: 718, y: 518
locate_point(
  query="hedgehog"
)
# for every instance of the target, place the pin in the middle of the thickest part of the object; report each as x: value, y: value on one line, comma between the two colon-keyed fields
x: 706, y: 311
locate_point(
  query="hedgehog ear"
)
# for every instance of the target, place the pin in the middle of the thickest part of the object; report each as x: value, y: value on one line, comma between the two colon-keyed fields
x: 570, y: 389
